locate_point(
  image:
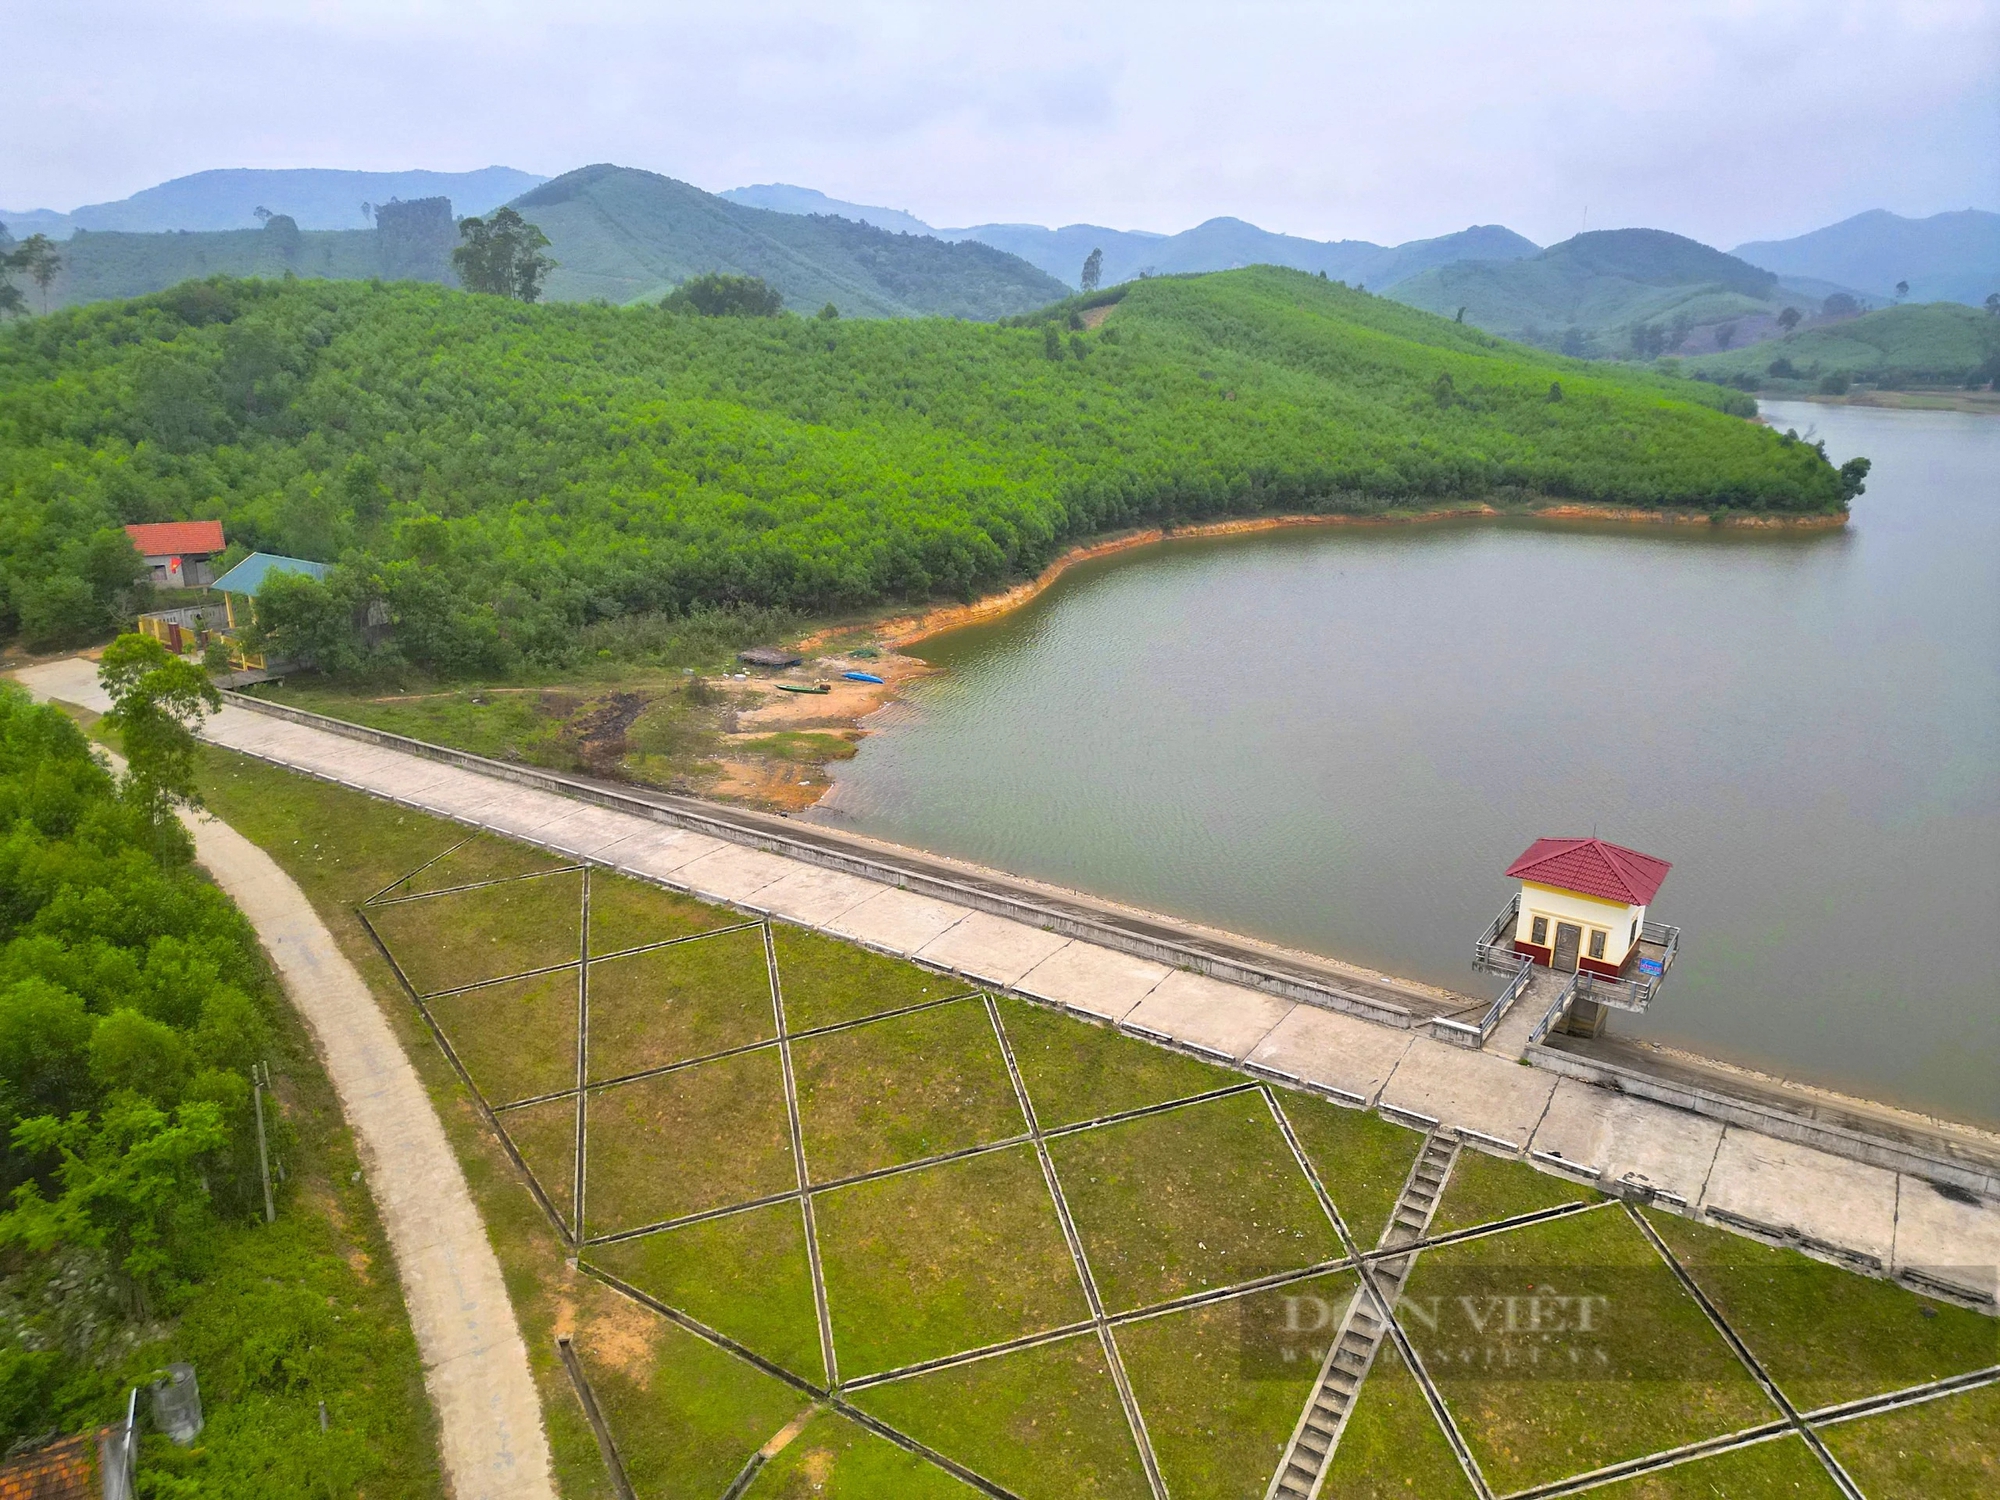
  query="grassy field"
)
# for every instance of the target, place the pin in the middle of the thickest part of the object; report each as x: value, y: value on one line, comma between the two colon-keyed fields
x: 836, y: 1208
x: 656, y: 724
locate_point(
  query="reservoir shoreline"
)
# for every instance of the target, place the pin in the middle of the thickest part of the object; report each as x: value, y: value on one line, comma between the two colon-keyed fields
x: 1335, y: 739
x: 898, y: 631
x: 1881, y: 1133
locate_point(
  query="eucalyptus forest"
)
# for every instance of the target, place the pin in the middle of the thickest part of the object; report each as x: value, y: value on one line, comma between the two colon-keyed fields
x: 503, y: 475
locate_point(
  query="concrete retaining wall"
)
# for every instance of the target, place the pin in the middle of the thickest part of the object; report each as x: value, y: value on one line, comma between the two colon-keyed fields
x: 1876, y: 1150
x: 718, y: 824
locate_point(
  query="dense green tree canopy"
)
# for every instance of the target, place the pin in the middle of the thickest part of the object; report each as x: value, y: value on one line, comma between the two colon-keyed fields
x: 501, y: 256
x: 158, y: 700
x: 718, y: 295
x: 502, y: 475
x: 132, y: 1006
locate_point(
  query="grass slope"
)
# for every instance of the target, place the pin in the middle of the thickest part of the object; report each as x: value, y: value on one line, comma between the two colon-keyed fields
x: 1930, y: 343
x: 944, y: 1258
x: 1646, y: 1365
x: 1199, y: 1197
x: 507, y: 476
x: 1949, y: 1446
x: 744, y: 1275
x: 1392, y: 1445
x: 1219, y: 1396
x: 837, y: 1459
x: 1780, y: 1470
x: 688, y: 1414
x: 1824, y: 1334
x: 1045, y: 1422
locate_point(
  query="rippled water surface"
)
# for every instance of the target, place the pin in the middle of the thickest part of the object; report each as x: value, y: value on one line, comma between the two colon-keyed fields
x: 1339, y: 738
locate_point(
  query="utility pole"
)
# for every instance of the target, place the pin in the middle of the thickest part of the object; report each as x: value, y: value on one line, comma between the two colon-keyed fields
x: 262, y: 1076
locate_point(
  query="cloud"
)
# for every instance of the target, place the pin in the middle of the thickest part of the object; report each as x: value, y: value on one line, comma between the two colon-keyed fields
x: 1723, y: 120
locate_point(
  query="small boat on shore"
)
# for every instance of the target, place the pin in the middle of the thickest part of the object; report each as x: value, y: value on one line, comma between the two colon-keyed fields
x: 861, y: 677
x: 803, y: 687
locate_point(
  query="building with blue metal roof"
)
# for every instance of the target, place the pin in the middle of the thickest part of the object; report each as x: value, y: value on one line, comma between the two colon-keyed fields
x: 248, y: 576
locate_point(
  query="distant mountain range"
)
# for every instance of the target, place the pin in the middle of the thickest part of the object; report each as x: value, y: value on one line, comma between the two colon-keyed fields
x: 1952, y: 257
x: 783, y: 198
x: 1217, y: 245
x: 615, y: 233
x: 1620, y: 293
x: 1607, y: 294
x: 624, y: 235
x: 314, y: 198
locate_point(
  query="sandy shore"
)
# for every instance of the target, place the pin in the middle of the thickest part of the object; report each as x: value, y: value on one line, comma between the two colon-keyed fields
x: 762, y: 709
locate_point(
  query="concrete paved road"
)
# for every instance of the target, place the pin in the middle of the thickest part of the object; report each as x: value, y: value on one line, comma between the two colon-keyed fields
x: 475, y: 1364
x: 1899, y: 1221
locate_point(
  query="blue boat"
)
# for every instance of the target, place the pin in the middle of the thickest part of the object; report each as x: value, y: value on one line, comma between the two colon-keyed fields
x: 860, y: 676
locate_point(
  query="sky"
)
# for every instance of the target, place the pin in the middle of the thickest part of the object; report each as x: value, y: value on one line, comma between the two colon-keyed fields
x: 1388, y: 120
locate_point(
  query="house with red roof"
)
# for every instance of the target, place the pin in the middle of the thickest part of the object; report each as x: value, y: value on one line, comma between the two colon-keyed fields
x: 66, y: 1469
x: 1583, y: 904
x: 180, y: 554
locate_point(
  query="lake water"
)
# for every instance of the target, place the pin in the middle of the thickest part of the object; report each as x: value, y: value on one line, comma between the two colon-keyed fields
x: 1339, y: 738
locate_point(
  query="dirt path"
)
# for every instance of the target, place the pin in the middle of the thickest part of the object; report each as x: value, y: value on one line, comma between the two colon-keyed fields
x: 475, y: 1365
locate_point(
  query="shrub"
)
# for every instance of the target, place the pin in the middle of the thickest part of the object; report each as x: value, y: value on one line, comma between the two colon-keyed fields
x: 718, y: 295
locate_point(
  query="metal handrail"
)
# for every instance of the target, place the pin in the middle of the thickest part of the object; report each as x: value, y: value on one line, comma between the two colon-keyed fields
x: 1489, y: 954
x: 1516, y: 988
x: 1493, y: 951
x: 1667, y: 937
x: 1509, y: 915
x: 1637, y: 994
x: 1555, y: 1011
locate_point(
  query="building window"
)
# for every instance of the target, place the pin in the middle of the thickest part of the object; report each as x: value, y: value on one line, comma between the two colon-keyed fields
x: 1597, y: 936
x: 1635, y: 933
x: 1538, y: 932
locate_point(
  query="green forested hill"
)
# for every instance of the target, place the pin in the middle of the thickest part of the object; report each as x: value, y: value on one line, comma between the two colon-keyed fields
x: 618, y: 234
x: 1931, y: 343
x: 623, y: 234
x: 505, y: 474
x: 1589, y: 295
x: 101, y: 264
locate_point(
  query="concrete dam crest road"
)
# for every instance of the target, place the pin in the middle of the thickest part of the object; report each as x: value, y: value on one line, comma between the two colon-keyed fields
x: 1725, y: 1173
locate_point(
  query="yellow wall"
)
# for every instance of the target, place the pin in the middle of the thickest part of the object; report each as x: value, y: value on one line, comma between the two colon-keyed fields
x: 1615, y: 918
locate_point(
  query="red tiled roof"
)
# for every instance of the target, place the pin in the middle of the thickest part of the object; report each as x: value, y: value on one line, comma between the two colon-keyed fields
x: 1592, y: 867
x: 65, y: 1470
x: 177, y: 538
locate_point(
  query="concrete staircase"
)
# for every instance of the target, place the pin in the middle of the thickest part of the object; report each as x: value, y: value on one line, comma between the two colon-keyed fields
x: 1302, y: 1470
